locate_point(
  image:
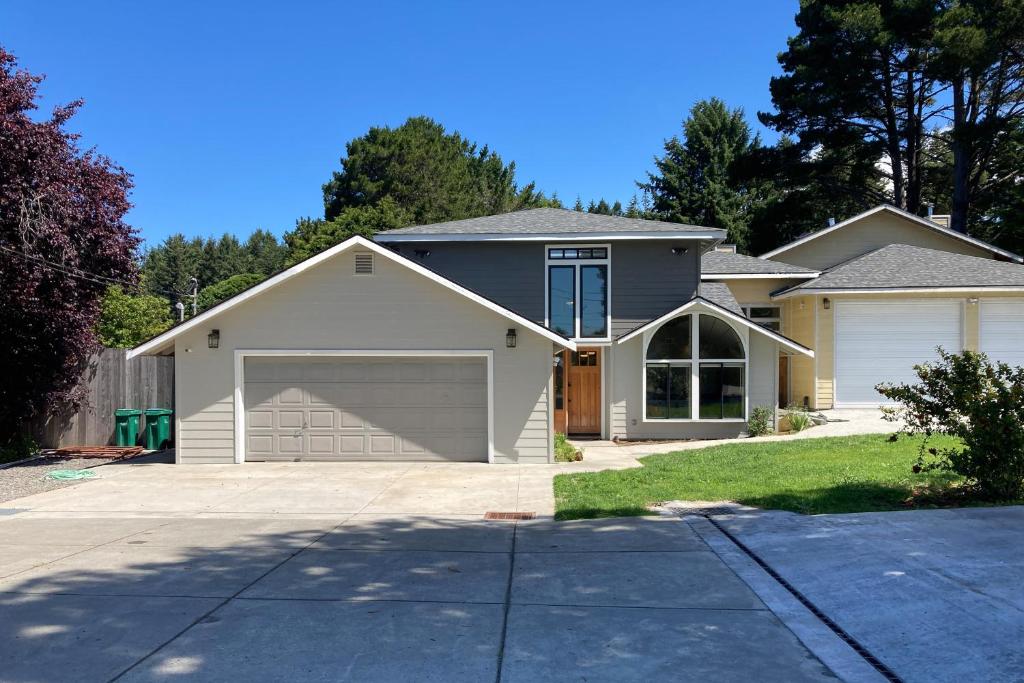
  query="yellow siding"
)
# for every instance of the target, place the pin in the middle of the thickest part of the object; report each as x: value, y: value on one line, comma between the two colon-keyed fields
x: 972, y: 327
x: 825, y: 353
x: 798, y: 325
x: 870, y: 233
x: 757, y: 291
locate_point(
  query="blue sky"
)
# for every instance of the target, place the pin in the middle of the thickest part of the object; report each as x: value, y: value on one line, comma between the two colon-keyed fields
x: 231, y: 115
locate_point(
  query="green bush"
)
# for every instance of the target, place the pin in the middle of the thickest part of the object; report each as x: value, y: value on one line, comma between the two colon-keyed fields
x: 17, y: 447
x: 978, y: 402
x: 799, y: 420
x: 760, y: 422
x: 565, y: 451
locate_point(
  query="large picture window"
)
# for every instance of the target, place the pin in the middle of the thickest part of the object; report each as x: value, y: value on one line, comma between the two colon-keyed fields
x: 680, y: 384
x: 578, y: 296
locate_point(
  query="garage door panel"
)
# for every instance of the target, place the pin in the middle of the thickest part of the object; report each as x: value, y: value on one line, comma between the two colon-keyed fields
x: 381, y: 408
x: 1002, y: 330
x: 882, y: 341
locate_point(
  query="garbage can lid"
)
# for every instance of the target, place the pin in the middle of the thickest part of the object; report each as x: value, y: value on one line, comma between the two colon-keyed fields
x: 158, y: 411
x: 123, y: 412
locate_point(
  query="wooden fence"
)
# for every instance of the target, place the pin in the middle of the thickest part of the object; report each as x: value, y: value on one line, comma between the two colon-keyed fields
x: 111, y: 382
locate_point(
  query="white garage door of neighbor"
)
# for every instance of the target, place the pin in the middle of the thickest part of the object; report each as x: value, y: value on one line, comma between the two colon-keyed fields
x: 882, y: 341
x: 380, y: 408
x: 1002, y: 330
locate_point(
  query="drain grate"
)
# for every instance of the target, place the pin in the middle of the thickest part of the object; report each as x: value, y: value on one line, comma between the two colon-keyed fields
x: 509, y: 515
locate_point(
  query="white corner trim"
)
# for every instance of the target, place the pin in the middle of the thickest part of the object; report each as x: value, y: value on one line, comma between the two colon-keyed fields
x: 977, y: 291
x: 161, y: 340
x: 923, y: 222
x: 759, y: 276
x: 728, y: 315
x: 549, y: 236
x: 242, y: 354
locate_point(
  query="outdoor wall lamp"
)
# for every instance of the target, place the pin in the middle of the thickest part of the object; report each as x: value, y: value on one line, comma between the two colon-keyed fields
x: 973, y: 300
x: 213, y: 339
x: 510, y: 338
x: 827, y: 303
x: 679, y: 250
x: 422, y: 253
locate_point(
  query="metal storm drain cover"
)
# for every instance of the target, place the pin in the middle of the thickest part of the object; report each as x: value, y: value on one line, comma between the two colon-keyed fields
x: 509, y: 515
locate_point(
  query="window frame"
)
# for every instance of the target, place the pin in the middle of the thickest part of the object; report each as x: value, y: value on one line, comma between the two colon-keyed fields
x: 761, y: 320
x: 576, y: 264
x: 695, y: 362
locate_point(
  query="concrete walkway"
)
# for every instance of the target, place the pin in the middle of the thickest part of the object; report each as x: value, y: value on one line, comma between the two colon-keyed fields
x: 260, y: 596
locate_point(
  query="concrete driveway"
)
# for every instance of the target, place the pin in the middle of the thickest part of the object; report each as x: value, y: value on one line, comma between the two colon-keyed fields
x: 936, y: 595
x: 365, y: 573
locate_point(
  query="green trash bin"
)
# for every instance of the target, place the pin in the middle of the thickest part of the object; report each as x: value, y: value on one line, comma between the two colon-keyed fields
x: 158, y: 428
x: 126, y: 426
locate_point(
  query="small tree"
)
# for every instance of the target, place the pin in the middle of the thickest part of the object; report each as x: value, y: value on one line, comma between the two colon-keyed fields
x: 978, y: 402
x: 126, y: 320
x: 227, y: 288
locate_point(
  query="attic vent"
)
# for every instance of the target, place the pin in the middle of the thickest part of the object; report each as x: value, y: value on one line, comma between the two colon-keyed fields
x: 364, y: 263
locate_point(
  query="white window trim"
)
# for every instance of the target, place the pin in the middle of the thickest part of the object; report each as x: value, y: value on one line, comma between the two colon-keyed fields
x: 777, y: 319
x: 578, y: 292
x: 242, y: 354
x: 695, y: 362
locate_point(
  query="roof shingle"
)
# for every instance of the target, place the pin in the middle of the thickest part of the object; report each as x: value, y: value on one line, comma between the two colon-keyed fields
x: 901, y: 266
x: 728, y: 263
x: 546, y: 221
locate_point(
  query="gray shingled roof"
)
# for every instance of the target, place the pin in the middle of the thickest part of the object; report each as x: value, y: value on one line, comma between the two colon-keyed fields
x: 905, y: 267
x: 719, y: 293
x: 726, y: 263
x: 545, y: 221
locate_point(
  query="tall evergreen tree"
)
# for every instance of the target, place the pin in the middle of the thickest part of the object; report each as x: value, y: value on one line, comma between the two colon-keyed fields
x: 694, y: 182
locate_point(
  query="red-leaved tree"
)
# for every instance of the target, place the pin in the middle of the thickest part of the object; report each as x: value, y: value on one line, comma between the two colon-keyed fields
x: 62, y: 231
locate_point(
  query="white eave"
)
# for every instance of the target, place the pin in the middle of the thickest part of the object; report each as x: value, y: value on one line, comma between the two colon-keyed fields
x: 163, y: 342
x: 548, y: 236
x: 725, y: 313
x: 810, y: 291
x: 924, y: 222
x: 758, y: 276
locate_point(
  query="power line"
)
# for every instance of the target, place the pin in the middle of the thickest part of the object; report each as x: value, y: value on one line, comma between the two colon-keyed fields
x: 79, y: 273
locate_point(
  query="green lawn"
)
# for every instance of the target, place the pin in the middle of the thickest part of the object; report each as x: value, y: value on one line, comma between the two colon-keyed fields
x: 811, y: 476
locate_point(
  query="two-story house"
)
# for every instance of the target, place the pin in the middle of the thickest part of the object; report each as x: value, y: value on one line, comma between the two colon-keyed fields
x: 479, y: 339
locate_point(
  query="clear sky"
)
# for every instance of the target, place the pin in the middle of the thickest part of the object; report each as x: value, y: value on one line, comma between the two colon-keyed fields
x: 231, y: 115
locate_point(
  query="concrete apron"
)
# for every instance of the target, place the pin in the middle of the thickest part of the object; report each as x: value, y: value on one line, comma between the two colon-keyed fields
x: 380, y: 598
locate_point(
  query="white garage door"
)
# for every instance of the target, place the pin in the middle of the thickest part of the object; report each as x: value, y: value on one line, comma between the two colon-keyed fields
x: 380, y: 408
x: 1002, y: 330
x: 882, y: 341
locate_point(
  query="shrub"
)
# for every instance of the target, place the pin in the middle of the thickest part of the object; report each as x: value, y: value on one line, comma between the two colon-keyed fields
x: 565, y: 451
x: 799, y: 420
x: 18, y: 447
x: 978, y: 402
x: 760, y: 422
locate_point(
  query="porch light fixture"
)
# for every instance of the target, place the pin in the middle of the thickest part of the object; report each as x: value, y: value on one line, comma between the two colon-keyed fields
x: 972, y: 300
x: 510, y: 338
x: 422, y: 253
x: 679, y: 250
x: 213, y: 339
x: 827, y: 303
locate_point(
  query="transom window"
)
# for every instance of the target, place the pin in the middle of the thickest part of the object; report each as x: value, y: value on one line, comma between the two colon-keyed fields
x: 765, y: 316
x: 577, y: 296
x: 680, y: 384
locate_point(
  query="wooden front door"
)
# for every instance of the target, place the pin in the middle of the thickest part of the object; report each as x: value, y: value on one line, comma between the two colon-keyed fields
x: 583, y: 391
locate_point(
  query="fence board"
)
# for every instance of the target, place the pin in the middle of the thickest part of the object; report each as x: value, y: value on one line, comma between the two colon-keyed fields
x: 111, y: 381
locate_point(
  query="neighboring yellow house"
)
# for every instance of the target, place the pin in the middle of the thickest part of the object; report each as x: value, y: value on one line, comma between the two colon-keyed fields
x: 873, y: 296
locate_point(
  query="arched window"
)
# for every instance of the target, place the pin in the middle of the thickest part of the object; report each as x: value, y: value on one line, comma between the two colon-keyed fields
x: 679, y: 383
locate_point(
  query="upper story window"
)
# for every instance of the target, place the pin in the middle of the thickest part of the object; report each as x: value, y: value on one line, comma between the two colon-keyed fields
x: 766, y: 316
x: 577, y: 296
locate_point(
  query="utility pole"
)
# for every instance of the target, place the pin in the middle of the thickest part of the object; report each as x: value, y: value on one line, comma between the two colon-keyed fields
x: 195, y: 294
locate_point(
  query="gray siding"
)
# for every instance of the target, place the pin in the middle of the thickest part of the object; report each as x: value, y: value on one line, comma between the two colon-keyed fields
x: 509, y: 273
x: 647, y: 279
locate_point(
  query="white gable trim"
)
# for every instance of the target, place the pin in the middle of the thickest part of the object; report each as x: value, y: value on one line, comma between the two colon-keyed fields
x: 725, y: 313
x: 923, y: 222
x: 759, y: 276
x: 809, y: 291
x: 161, y: 340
